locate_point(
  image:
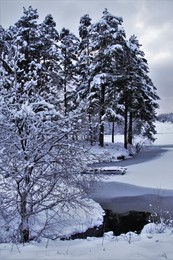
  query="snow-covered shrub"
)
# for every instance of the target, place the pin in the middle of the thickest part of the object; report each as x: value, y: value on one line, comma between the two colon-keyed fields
x: 139, y: 142
x: 153, y: 228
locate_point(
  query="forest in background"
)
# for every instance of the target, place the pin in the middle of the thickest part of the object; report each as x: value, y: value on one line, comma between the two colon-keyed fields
x: 165, y: 117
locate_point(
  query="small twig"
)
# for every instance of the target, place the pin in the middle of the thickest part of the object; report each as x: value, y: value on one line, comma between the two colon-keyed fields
x: 47, y: 243
x: 16, y: 246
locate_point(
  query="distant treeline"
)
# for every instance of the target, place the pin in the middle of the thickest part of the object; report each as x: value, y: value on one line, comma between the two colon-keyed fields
x: 167, y: 117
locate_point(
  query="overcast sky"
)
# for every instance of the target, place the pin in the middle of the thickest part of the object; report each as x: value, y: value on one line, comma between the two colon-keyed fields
x: 150, y: 20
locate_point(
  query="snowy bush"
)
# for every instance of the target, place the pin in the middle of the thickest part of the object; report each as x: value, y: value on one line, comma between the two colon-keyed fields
x: 153, y: 228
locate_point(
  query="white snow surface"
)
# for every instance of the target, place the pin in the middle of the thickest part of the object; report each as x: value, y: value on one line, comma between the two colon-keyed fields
x: 151, y: 244
x: 155, y: 241
x: 155, y: 173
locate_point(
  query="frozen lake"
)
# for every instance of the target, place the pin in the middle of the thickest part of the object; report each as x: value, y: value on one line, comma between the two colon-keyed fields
x: 147, y: 185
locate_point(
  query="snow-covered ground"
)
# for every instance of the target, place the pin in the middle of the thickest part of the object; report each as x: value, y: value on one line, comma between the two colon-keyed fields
x: 155, y: 241
x: 151, y: 244
x: 158, y: 172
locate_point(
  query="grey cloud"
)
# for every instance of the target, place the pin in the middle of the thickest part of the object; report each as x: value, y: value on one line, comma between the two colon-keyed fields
x: 158, y: 11
x: 162, y: 74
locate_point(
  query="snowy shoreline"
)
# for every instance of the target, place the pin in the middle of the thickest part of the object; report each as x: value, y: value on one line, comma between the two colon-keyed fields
x: 148, y: 181
x: 155, y: 240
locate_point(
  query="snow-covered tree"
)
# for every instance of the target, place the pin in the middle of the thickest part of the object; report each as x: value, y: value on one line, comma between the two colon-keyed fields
x: 107, y: 45
x: 69, y: 45
x: 40, y: 167
x: 85, y: 56
x: 138, y: 94
x: 84, y: 77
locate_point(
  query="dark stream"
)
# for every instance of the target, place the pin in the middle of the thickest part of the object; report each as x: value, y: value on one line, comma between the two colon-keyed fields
x: 118, y: 223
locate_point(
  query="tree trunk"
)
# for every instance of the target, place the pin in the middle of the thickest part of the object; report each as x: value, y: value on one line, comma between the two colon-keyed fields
x: 24, y: 233
x: 90, y: 130
x: 102, y: 112
x: 65, y: 85
x: 65, y: 98
x: 130, y: 130
x: 24, y: 225
x: 101, y: 135
x: 23, y: 207
x: 125, y: 126
x: 113, y: 130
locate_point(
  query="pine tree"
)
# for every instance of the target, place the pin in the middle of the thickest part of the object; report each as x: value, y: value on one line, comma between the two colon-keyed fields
x: 84, y: 77
x: 107, y: 45
x: 137, y: 88
x: 85, y: 56
x: 69, y: 45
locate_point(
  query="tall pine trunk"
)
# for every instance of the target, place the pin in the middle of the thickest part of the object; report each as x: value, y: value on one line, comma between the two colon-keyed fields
x: 101, y: 132
x: 65, y: 98
x: 91, y: 137
x: 65, y: 85
x: 130, y: 129
x: 125, y: 126
x: 102, y: 112
x: 113, y: 130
